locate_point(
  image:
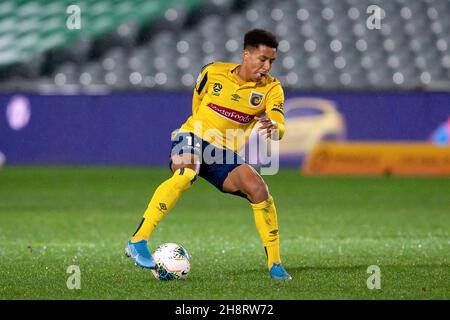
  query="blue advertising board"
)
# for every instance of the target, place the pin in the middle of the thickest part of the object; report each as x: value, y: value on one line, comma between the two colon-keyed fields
x: 135, y: 128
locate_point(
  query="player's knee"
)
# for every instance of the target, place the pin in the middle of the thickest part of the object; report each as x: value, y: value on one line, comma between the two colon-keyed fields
x: 258, y: 192
x: 184, y: 178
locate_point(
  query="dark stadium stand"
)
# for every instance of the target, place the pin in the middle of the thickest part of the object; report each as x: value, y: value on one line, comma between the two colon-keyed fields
x: 141, y: 45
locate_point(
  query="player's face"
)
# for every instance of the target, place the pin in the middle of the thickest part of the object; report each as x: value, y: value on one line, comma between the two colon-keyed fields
x: 258, y: 61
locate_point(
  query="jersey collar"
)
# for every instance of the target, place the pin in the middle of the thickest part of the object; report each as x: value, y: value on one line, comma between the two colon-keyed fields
x: 232, y: 75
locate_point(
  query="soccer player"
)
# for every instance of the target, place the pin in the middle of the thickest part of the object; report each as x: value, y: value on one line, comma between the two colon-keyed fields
x: 227, y: 96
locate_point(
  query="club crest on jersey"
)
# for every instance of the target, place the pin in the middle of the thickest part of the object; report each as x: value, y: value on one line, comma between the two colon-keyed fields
x: 255, y: 99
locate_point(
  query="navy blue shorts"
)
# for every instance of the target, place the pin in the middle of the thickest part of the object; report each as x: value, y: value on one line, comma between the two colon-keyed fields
x: 216, y: 163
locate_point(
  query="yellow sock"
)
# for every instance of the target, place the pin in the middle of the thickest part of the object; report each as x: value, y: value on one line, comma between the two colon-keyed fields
x: 163, y: 200
x: 265, y: 215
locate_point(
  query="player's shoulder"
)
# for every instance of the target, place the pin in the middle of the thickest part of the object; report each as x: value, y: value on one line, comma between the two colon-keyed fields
x: 219, y: 66
x: 206, y: 66
x: 271, y: 82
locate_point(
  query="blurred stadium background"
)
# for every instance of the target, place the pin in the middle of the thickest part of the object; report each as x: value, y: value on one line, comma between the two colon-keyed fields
x: 142, y: 45
x: 134, y: 61
x: 359, y: 101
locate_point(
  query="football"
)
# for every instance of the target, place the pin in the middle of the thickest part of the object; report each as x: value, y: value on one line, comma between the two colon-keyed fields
x: 172, y: 262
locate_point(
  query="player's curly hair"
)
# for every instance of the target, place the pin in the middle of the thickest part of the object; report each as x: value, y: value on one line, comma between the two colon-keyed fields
x: 255, y: 37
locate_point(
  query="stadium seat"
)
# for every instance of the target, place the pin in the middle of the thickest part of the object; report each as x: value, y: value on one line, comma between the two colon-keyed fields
x: 138, y: 44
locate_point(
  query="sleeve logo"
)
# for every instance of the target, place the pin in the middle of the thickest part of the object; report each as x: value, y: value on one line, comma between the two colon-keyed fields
x: 279, y: 106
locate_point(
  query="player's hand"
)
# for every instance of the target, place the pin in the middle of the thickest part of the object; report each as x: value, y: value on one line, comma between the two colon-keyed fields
x: 266, y: 126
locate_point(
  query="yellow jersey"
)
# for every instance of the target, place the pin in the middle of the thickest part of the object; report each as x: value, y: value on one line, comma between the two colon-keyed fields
x: 224, y: 106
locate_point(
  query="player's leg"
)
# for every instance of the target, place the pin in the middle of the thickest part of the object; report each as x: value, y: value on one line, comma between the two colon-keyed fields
x: 165, y: 197
x: 185, y: 166
x: 245, y: 180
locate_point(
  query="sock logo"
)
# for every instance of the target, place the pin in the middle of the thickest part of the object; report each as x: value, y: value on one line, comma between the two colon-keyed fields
x: 162, y: 206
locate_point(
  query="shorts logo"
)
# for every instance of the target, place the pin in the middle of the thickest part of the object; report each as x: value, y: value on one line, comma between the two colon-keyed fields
x: 217, y: 87
x: 236, y: 116
x: 255, y: 99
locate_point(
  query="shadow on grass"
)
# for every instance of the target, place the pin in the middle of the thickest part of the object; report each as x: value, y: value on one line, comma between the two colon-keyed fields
x: 359, y: 267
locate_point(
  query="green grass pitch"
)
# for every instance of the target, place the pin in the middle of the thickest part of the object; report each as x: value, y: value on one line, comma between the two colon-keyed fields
x: 332, y: 230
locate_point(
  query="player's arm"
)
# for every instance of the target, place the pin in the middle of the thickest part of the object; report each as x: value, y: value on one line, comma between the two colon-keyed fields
x: 200, y: 88
x: 274, y: 111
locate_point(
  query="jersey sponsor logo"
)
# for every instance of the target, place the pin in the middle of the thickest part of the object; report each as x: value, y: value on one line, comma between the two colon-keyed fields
x: 255, y: 99
x: 236, y: 116
x: 217, y: 87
